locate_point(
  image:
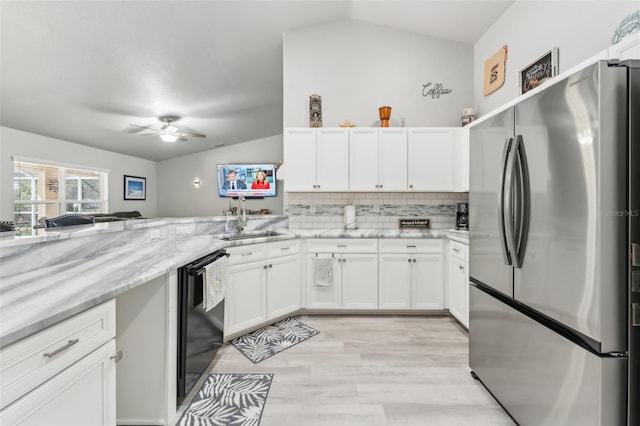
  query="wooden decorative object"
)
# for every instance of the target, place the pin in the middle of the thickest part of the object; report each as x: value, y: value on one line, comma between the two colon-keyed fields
x: 494, y: 71
x: 315, y: 111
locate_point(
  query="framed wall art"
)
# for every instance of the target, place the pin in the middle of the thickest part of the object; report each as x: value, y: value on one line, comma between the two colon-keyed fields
x: 494, y: 71
x: 135, y: 188
x: 538, y: 71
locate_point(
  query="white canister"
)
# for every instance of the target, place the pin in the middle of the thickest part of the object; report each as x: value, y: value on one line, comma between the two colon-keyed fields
x: 349, y: 217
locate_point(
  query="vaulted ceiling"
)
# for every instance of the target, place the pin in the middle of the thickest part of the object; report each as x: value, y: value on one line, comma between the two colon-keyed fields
x: 82, y: 71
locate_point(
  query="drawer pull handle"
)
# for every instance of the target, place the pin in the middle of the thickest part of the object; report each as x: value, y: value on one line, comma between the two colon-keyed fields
x: 456, y: 250
x: 249, y: 253
x: 342, y: 245
x: 411, y: 246
x: 57, y: 351
x: 285, y: 248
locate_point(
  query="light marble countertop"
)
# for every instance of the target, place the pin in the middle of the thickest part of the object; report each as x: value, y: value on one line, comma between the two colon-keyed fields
x: 36, y: 299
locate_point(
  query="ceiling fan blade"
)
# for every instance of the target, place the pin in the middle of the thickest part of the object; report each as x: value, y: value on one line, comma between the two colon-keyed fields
x: 143, y: 128
x: 192, y: 135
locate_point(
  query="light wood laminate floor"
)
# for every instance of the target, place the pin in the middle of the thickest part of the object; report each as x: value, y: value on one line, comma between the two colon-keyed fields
x: 371, y: 370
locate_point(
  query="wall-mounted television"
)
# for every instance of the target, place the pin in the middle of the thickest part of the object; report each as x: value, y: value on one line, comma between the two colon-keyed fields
x: 249, y: 180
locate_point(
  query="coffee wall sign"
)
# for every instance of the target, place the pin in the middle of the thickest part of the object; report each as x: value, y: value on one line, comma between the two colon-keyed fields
x: 434, y: 90
x: 539, y: 71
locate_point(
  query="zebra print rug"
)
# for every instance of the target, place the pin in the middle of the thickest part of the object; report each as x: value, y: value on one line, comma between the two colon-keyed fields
x: 268, y: 341
x: 228, y: 399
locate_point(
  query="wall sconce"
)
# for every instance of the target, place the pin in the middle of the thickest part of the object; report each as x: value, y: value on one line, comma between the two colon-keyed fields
x: 196, y: 183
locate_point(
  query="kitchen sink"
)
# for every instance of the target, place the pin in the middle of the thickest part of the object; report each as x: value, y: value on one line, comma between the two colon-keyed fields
x: 249, y: 235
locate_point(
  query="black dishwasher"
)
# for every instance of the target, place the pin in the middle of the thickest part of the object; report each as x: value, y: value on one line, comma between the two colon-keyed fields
x: 200, y: 332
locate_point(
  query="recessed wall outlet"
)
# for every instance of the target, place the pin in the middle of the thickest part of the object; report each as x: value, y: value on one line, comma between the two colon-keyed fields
x: 186, y: 229
x: 156, y: 234
x: 375, y: 208
x: 312, y: 208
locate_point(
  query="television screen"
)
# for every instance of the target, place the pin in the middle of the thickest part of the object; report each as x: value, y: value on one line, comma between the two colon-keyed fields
x: 249, y: 180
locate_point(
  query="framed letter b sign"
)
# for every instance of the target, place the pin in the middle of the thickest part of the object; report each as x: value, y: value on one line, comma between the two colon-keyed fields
x: 494, y: 69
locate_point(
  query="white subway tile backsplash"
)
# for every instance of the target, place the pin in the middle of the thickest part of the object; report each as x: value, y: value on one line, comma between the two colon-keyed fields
x: 329, y: 208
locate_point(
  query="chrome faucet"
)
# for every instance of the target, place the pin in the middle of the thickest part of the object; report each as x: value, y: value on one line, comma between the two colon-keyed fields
x: 241, y: 216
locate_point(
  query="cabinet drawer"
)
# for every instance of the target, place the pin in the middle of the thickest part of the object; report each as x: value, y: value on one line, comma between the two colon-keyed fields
x: 342, y: 245
x: 248, y: 253
x: 283, y: 248
x: 458, y: 250
x: 33, y: 360
x: 410, y: 245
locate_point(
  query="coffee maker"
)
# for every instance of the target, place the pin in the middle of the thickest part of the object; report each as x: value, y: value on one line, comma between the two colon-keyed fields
x: 462, y: 216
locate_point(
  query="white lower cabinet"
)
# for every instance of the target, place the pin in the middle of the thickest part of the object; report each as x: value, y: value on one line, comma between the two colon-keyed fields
x: 459, y: 282
x: 355, y: 274
x: 245, y: 297
x: 263, y: 283
x: 283, y: 285
x: 69, y: 370
x: 411, y: 273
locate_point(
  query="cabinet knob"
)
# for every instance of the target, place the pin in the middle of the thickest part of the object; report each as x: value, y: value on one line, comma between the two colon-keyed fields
x: 410, y: 186
x: 409, y: 260
x: 461, y: 267
x: 117, y: 356
x: 414, y: 261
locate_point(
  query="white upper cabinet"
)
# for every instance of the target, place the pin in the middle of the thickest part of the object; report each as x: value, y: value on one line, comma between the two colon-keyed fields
x: 378, y: 159
x: 428, y: 159
x: 364, y: 157
x: 461, y: 160
x: 430, y: 162
x: 300, y: 159
x: 332, y: 165
x: 393, y: 159
x: 316, y: 159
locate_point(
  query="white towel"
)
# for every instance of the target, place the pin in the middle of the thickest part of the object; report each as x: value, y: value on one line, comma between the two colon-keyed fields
x: 323, y: 271
x: 215, y: 283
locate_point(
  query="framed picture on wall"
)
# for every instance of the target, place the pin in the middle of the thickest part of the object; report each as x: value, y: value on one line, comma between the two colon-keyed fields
x: 538, y: 71
x: 135, y: 188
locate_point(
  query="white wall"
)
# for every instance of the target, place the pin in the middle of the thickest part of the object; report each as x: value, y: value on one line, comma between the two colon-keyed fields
x: 357, y: 67
x: 178, y: 198
x: 23, y: 144
x: 580, y: 29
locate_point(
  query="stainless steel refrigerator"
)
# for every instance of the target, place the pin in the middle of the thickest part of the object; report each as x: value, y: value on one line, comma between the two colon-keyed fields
x: 554, y: 206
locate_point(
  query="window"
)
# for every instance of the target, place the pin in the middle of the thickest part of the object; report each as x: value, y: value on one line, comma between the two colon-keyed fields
x: 50, y: 190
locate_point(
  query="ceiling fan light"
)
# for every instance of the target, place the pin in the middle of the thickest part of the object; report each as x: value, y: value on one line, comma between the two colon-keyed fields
x: 169, y: 138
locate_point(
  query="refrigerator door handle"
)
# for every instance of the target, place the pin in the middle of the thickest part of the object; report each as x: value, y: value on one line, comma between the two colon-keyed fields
x: 524, y: 201
x: 501, y: 204
x: 511, y: 195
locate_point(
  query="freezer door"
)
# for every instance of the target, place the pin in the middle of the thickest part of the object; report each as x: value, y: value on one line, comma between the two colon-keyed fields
x: 573, y: 270
x: 538, y: 376
x: 489, y: 261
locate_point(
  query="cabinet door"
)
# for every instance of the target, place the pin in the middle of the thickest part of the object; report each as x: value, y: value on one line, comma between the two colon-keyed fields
x: 363, y: 160
x: 300, y: 159
x: 245, y: 296
x: 359, y: 281
x: 430, y: 159
x: 283, y: 286
x: 427, y: 284
x: 83, y: 394
x: 323, y: 296
x: 461, y: 160
x: 332, y: 148
x: 394, y: 281
x: 457, y: 287
x: 392, y: 169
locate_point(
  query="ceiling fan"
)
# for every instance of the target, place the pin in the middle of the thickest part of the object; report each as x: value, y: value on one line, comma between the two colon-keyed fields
x: 169, y: 132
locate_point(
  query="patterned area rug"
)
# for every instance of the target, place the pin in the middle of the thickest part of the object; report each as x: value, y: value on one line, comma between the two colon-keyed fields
x: 228, y: 399
x: 268, y: 341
